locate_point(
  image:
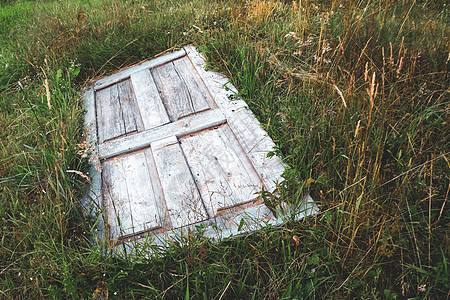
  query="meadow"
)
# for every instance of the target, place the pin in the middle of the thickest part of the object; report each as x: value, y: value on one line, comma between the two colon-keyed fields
x: 355, y: 94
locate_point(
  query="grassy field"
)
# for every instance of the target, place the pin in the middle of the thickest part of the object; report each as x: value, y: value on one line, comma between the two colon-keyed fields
x: 354, y: 93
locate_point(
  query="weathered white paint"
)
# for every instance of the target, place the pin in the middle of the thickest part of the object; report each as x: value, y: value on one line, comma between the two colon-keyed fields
x: 179, y: 149
x: 224, y: 174
x: 183, y: 200
x: 92, y: 203
x: 110, y: 80
x: 150, y: 107
x: 145, y: 138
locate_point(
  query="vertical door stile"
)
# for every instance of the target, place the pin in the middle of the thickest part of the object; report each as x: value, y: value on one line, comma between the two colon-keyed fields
x: 149, y: 103
x: 100, y: 101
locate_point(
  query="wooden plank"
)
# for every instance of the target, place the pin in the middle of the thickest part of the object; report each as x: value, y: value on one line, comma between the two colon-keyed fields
x: 224, y: 175
x: 115, y: 195
x: 129, y: 195
x: 131, y: 116
x: 142, y: 202
x: 110, y: 80
x: 201, y: 98
x: 150, y: 106
x: 157, y: 190
x: 182, y: 197
x: 242, y: 121
x: 144, y: 139
x: 110, y: 120
x: 90, y: 123
x: 174, y: 92
x: 256, y: 143
x: 92, y: 202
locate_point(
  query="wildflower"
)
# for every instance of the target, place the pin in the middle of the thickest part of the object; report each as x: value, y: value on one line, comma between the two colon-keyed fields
x: 291, y: 34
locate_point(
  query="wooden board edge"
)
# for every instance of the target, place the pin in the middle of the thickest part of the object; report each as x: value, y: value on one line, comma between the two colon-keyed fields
x: 92, y: 203
x: 240, y: 223
x: 114, y: 78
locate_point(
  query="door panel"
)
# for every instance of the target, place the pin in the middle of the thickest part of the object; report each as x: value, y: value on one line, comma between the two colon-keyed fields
x: 176, y: 149
x: 130, y: 195
x: 222, y: 171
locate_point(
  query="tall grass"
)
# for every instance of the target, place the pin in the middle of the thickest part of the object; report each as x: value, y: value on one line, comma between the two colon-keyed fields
x: 355, y: 95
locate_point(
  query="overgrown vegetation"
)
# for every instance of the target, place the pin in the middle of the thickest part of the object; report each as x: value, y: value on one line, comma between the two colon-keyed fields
x: 354, y: 93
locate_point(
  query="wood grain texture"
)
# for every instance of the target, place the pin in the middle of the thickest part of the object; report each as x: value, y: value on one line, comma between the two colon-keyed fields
x: 92, y: 202
x: 179, y: 128
x: 174, y: 92
x: 119, y: 76
x: 116, y: 198
x: 198, y: 93
x: 142, y: 201
x: 158, y: 194
x: 183, y: 200
x: 242, y: 122
x: 109, y: 114
x: 182, y: 90
x: 132, y: 203
x: 130, y: 113
x: 197, y: 154
x: 151, y: 108
x: 223, y: 173
x: 257, y: 144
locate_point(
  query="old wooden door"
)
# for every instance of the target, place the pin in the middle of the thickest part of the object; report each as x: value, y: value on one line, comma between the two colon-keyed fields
x: 176, y: 148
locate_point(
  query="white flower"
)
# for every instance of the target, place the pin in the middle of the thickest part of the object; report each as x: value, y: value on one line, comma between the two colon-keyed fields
x: 291, y: 34
x: 422, y: 288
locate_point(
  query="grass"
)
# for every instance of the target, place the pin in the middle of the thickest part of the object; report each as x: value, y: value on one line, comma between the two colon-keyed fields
x: 354, y: 94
